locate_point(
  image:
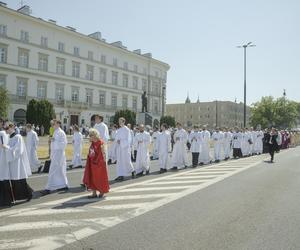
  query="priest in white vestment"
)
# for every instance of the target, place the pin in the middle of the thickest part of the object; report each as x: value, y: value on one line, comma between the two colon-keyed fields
x: 103, y: 131
x: 164, y: 147
x: 179, y: 154
x: 217, y: 138
x: 32, y: 141
x: 204, y: 157
x: 142, y: 141
x: 227, y: 142
x: 155, y: 152
x: 77, y: 148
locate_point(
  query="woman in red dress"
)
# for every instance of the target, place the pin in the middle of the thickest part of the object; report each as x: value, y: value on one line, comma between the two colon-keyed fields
x: 95, y: 174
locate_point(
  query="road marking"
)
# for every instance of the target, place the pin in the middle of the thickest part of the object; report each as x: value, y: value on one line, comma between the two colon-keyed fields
x: 172, y: 182
x: 152, y: 189
x: 120, y: 206
x: 48, y: 212
x: 197, y: 177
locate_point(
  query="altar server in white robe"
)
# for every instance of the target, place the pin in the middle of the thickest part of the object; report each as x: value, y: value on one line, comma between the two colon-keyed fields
x: 179, y: 155
x: 32, y: 141
x: 204, y: 157
x: 227, y: 141
x: 246, y: 142
x: 155, y: 152
x: 77, y: 148
x: 142, y: 141
x: 164, y: 147
x: 15, y: 169
x: 123, y: 151
x: 112, y: 149
x: 258, y: 145
x: 103, y: 131
x: 217, y: 137
x: 195, y: 140
x: 252, y: 134
x: 57, y: 178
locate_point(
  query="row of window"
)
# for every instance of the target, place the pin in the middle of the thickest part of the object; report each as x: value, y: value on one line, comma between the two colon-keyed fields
x: 23, y: 61
x: 24, y: 37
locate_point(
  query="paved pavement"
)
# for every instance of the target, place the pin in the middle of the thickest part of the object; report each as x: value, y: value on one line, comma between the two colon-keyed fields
x: 238, y: 204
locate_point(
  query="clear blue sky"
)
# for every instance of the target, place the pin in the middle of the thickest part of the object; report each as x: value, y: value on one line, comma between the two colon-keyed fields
x: 198, y: 39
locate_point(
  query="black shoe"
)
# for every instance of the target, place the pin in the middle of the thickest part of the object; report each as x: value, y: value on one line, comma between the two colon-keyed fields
x: 133, y: 174
x: 174, y: 168
x: 109, y: 162
x: 185, y: 166
x: 63, y: 189
x: 40, y: 169
x: 82, y: 185
x: 148, y: 172
x: 120, y: 178
x: 80, y: 166
x: 45, y: 192
x: 29, y: 198
x: 201, y: 163
x: 70, y: 166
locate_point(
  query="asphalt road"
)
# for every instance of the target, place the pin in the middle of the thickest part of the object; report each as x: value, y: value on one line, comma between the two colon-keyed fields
x: 239, y: 204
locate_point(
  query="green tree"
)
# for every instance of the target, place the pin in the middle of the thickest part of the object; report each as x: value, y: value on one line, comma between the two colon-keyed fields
x: 4, y: 102
x: 40, y: 113
x: 129, y: 116
x: 280, y: 113
x: 169, y: 120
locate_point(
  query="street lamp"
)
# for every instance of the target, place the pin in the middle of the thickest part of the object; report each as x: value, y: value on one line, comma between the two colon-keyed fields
x: 245, y: 46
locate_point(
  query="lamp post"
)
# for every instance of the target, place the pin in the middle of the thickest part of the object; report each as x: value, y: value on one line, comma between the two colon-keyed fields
x: 245, y: 46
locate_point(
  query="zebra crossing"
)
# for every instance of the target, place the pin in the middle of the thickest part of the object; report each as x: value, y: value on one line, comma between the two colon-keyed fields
x: 54, y: 224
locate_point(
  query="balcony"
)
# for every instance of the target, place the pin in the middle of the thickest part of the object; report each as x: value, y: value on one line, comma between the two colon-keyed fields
x: 76, y: 105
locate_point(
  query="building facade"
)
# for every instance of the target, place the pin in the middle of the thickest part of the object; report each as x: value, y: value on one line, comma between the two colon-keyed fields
x: 81, y: 75
x: 213, y: 114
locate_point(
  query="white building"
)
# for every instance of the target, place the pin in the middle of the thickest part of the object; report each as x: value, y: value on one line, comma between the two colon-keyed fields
x: 81, y: 75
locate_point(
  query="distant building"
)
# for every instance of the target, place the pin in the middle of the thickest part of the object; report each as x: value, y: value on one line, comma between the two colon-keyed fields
x: 81, y: 75
x: 213, y: 114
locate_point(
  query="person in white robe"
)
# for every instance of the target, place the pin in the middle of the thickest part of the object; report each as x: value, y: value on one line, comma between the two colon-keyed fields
x: 123, y: 139
x: 32, y: 141
x: 57, y: 178
x: 258, y: 146
x: 77, y: 148
x: 253, y: 139
x: 195, y: 141
x: 237, y: 139
x: 142, y: 141
x: 155, y: 152
x: 179, y: 155
x: 245, y: 147
x: 132, y: 146
x: 204, y: 157
x: 217, y: 138
x: 227, y: 142
x: 16, y: 169
x: 4, y: 170
x: 112, y: 149
x: 164, y: 147
x: 103, y: 131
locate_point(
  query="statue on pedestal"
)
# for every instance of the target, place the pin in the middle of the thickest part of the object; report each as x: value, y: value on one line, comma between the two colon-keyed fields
x: 144, y: 102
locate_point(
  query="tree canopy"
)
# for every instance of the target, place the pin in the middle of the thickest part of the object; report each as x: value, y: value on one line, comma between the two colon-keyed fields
x: 4, y: 102
x: 129, y: 116
x: 169, y: 120
x: 281, y: 112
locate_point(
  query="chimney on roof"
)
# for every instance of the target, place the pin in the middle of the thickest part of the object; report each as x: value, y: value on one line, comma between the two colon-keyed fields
x: 3, y: 4
x: 25, y: 10
x: 118, y: 44
x: 137, y: 51
x: 96, y: 35
x: 148, y: 55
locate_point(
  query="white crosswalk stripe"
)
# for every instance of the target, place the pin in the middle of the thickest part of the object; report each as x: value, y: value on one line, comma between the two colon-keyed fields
x: 121, y: 204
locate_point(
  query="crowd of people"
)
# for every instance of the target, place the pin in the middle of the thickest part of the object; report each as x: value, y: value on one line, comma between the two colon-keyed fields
x: 130, y: 149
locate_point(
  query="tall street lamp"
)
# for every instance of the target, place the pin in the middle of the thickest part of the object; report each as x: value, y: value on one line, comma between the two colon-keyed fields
x: 245, y: 46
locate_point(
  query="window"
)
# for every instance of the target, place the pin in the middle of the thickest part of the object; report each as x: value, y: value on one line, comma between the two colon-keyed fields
x: 144, y: 84
x: 102, y: 75
x: 135, y: 82
x: 22, y: 87
x: 3, y: 53
x: 61, y: 47
x: 125, y: 65
x: 103, y: 58
x: 43, y: 62
x: 42, y: 90
x: 144, y: 71
x: 134, y: 103
x: 76, y: 51
x: 135, y: 68
x: 125, y: 80
x: 114, y: 99
x: 60, y: 66
x: 89, y: 72
x: 24, y: 36
x: 124, y: 101
x: 3, y: 30
x: 90, y: 55
x: 156, y: 73
x: 115, y: 62
x: 23, y: 57
x: 102, y: 98
x: 75, y: 94
x: 44, y: 41
x: 155, y: 88
x: 89, y: 96
x: 3, y: 81
x: 114, y: 77
x: 76, y: 69
x: 59, y: 92
x: 155, y: 106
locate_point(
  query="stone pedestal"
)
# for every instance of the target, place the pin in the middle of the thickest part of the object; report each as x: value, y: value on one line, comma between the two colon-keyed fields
x: 144, y: 118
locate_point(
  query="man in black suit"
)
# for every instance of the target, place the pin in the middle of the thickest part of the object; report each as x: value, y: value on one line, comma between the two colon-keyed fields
x: 271, y: 140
